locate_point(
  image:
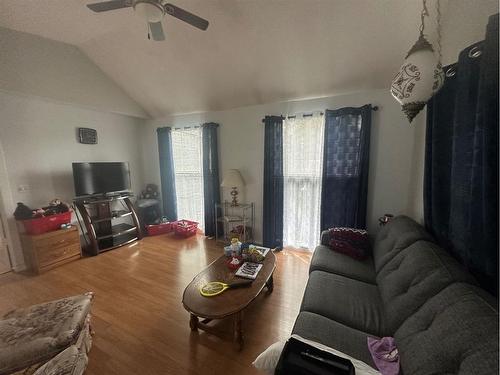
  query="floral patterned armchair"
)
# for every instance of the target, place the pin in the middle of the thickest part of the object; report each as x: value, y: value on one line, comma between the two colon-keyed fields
x: 49, y: 338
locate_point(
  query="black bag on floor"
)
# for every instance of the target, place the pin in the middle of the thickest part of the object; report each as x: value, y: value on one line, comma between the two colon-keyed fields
x: 299, y: 358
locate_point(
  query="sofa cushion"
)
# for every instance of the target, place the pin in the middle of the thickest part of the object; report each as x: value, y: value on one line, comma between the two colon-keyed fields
x: 455, y: 332
x: 413, y: 276
x: 351, y: 302
x: 395, y: 236
x: 324, y: 259
x: 31, y: 335
x: 333, y: 334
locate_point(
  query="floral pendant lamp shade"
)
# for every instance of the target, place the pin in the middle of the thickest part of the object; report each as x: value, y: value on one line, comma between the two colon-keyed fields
x: 420, y: 76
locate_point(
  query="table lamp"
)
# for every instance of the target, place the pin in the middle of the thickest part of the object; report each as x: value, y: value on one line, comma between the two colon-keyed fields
x: 232, y: 179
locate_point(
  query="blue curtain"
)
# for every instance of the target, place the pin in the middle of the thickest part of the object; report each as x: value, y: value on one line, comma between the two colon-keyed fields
x: 461, y: 160
x: 273, y: 182
x: 167, y: 176
x: 211, y: 189
x: 345, y: 167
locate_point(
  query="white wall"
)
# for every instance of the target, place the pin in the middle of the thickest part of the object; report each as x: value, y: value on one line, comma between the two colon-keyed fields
x: 415, y: 207
x: 241, y: 146
x: 33, y: 65
x: 464, y: 23
x: 39, y: 142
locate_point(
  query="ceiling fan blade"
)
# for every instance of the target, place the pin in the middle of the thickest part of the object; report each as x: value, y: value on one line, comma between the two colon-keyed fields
x: 109, y: 5
x: 186, y: 16
x: 157, y: 31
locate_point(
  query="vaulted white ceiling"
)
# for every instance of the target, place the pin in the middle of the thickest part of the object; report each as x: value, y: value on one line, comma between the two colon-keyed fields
x: 254, y: 51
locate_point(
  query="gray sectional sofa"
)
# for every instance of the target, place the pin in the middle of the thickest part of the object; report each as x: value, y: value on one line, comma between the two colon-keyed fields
x: 411, y: 289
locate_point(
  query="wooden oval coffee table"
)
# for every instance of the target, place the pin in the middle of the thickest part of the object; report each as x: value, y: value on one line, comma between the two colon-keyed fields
x: 230, y: 303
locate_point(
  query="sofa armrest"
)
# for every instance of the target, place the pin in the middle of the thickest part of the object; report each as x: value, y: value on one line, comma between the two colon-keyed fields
x: 325, y: 237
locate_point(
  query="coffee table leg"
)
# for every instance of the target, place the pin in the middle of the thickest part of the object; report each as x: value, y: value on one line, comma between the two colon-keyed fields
x: 270, y: 284
x: 238, y: 330
x: 193, y: 322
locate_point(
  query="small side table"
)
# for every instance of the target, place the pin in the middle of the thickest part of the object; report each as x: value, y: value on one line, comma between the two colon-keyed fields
x: 231, y: 217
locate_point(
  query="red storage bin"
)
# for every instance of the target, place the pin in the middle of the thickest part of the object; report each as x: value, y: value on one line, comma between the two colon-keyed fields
x: 185, y: 228
x: 44, y: 224
x: 156, y: 229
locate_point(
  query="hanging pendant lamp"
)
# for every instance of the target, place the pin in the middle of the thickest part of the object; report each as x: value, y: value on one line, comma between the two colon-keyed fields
x: 421, y: 74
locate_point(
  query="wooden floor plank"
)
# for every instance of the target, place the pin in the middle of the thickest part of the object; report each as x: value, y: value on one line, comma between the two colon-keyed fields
x: 141, y: 326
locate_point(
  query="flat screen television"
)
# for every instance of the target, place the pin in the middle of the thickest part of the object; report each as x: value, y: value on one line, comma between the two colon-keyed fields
x: 100, y: 178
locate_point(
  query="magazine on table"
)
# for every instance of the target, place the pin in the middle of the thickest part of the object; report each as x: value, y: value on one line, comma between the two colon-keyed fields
x: 249, y: 270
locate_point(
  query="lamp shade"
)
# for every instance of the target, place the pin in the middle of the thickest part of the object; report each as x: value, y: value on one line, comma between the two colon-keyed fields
x: 232, y: 178
x: 418, y: 79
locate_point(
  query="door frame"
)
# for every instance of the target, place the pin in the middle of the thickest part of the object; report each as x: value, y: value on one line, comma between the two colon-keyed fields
x: 4, y: 230
x: 5, y: 193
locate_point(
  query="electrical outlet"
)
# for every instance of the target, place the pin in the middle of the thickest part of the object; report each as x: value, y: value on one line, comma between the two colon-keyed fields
x: 23, y: 188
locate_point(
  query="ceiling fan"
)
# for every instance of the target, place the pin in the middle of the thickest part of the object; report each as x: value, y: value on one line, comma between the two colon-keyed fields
x: 152, y: 11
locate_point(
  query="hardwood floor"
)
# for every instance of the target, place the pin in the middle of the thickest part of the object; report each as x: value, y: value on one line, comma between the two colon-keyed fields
x: 140, y: 324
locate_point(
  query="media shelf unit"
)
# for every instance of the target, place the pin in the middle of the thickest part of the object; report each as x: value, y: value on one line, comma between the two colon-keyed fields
x: 99, y: 218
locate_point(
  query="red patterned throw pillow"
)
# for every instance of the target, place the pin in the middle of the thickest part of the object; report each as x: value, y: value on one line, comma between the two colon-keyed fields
x: 350, y: 241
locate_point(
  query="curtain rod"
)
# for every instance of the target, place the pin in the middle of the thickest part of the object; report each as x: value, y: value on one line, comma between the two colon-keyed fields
x: 187, y: 127
x: 205, y: 124
x: 303, y: 115
x: 374, y: 108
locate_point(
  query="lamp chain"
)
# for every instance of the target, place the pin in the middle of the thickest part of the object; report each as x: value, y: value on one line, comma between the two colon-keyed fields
x: 425, y: 12
x: 438, y: 21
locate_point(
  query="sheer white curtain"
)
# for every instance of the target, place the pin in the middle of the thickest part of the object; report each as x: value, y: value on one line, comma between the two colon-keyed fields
x: 188, y: 169
x: 302, y: 170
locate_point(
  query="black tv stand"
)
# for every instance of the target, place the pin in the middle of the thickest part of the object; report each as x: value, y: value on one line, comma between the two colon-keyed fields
x: 98, y: 217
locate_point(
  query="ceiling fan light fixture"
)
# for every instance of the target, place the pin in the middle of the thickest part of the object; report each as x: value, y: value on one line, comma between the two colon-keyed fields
x: 151, y: 11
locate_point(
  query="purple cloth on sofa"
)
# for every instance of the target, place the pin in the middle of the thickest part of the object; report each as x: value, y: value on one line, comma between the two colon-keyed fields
x: 385, y: 355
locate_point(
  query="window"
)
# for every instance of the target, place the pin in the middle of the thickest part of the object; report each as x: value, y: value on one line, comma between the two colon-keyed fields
x: 188, y: 169
x: 302, y: 171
